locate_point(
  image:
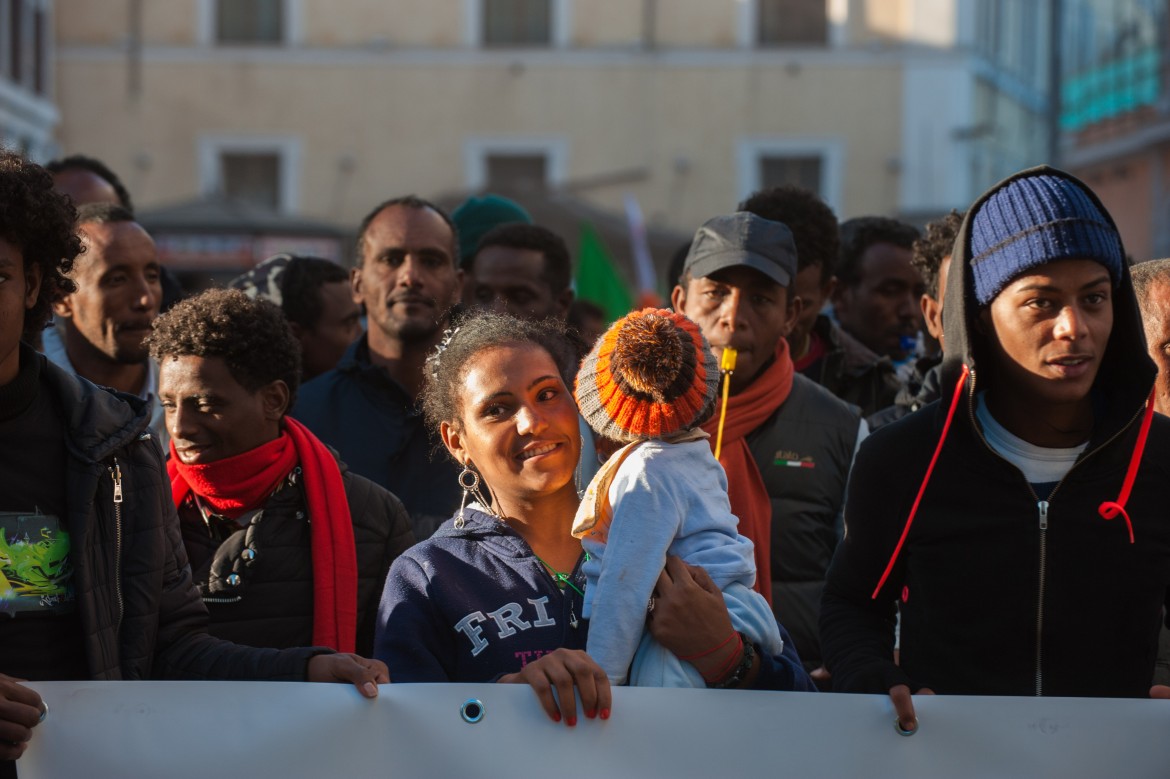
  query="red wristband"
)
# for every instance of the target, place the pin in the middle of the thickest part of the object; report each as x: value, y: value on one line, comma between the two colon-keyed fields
x: 730, y: 664
x: 711, y: 651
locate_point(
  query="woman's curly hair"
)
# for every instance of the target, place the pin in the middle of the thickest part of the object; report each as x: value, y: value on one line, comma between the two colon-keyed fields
x: 252, y: 337
x: 39, y: 222
x: 474, y: 333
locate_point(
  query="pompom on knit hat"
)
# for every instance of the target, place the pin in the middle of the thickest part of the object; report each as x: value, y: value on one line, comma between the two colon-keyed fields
x: 652, y: 374
x: 1037, y: 219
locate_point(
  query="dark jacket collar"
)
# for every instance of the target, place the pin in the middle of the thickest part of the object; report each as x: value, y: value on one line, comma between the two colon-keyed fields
x: 486, y: 529
x: 356, y: 363
x: 98, y: 421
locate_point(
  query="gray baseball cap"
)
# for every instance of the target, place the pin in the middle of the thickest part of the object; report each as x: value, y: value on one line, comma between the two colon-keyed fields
x: 743, y: 239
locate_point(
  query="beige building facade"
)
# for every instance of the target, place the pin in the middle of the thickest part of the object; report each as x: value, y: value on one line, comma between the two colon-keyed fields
x: 895, y: 107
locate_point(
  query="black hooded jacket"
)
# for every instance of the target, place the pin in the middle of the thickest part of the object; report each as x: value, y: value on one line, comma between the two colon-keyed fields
x: 1000, y: 593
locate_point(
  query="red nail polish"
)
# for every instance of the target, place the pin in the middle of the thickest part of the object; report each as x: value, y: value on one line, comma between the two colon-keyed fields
x: 591, y: 713
x: 571, y: 721
x: 605, y: 713
x: 556, y: 717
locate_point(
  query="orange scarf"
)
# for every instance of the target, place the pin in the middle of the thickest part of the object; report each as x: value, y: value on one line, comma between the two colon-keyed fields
x: 746, y: 411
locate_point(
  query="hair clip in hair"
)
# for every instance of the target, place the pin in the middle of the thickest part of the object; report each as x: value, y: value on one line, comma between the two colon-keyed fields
x: 437, y: 354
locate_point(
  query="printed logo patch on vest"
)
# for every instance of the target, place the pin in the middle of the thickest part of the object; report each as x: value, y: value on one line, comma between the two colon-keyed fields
x: 35, y: 573
x: 787, y: 459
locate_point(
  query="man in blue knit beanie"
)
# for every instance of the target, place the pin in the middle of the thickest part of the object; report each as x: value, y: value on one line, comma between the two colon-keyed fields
x: 1028, y: 550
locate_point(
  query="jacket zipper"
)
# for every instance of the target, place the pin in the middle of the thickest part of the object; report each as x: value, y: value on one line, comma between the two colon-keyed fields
x: 1042, y: 509
x: 116, y: 475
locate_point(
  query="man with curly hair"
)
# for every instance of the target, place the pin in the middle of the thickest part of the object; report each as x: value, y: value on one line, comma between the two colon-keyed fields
x: 821, y: 350
x: 311, y: 572
x: 103, y: 590
x: 932, y: 258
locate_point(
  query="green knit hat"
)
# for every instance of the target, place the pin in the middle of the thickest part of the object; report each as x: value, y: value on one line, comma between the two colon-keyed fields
x: 477, y: 215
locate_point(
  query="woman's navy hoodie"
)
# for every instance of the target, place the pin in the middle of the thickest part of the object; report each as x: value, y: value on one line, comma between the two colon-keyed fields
x: 472, y: 604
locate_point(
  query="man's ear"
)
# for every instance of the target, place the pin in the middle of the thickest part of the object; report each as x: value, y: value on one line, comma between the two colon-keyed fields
x: 275, y: 397
x: 454, y: 442
x: 564, y: 300
x: 792, y: 313
x: 32, y: 284
x: 678, y: 298
x: 355, y: 284
x: 829, y: 288
x: 932, y: 316
x: 63, y: 306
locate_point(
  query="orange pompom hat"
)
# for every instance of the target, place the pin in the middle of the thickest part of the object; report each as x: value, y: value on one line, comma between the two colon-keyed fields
x: 652, y: 374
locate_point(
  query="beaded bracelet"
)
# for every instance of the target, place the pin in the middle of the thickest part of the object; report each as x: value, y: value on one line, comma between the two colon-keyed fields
x: 741, y: 670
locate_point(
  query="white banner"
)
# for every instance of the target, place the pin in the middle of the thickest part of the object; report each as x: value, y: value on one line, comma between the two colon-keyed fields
x: 205, y: 730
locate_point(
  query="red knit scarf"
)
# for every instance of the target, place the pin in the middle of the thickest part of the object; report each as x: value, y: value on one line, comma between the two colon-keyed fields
x: 746, y: 411
x: 235, y: 485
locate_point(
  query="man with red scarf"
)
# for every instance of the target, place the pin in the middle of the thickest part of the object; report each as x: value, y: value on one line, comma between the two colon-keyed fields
x: 787, y: 442
x: 288, y: 547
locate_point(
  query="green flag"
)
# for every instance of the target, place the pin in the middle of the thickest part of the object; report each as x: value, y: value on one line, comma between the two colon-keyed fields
x: 598, y: 280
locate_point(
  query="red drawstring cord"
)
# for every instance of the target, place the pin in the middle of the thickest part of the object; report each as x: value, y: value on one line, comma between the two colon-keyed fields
x: 1111, y: 509
x: 926, y: 479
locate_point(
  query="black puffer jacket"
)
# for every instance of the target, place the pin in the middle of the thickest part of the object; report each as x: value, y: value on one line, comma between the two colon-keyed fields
x: 1004, y: 594
x: 258, y: 584
x: 140, y: 610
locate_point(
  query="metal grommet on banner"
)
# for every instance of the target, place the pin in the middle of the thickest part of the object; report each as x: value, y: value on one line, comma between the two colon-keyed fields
x: 903, y: 732
x: 472, y: 711
x: 44, y: 711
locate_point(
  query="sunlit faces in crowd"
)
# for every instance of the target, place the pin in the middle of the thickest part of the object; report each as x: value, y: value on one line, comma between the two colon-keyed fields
x: 407, y: 278
x: 1051, y: 326
x: 742, y: 308
x: 210, y: 415
x: 517, y: 423
x: 118, y: 293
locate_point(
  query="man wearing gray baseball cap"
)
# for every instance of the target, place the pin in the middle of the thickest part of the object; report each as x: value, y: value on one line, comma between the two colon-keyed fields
x: 745, y: 240
x: 787, y: 443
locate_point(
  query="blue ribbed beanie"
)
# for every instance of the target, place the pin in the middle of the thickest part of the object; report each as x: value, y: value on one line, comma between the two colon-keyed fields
x: 1034, y: 220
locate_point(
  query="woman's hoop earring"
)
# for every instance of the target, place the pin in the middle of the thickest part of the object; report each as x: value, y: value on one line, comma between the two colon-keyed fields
x: 469, y: 480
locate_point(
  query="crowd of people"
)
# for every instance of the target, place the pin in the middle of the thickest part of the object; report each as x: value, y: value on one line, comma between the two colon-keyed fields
x: 848, y: 457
